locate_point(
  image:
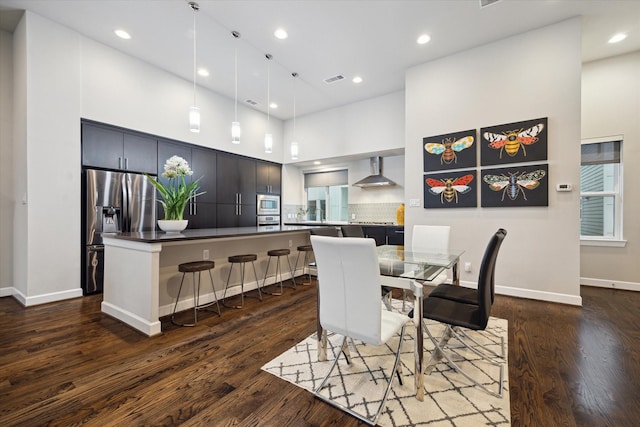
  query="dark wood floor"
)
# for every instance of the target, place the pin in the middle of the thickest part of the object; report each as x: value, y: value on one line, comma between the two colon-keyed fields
x: 68, y: 364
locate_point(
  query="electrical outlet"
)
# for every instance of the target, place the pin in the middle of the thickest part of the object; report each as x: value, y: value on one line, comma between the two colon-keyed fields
x: 205, y: 254
x: 353, y: 216
x: 414, y: 202
x: 467, y: 267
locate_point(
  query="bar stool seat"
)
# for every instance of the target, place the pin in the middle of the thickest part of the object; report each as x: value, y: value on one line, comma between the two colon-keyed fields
x: 307, y: 250
x: 195, y: 267
x: 242, y: 260
x: 278, y: 253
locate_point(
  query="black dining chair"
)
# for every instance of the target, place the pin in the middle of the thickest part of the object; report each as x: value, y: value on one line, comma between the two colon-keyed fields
x: 475, y: 316
x: 467, y: 295
x: 352, y: 230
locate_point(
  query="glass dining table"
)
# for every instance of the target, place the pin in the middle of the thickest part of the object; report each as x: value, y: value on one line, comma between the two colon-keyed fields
x: 406, y: 269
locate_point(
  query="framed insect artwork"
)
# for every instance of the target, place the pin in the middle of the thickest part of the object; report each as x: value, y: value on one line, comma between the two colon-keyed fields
x: 451, y: 190
x: 450, y: 151
x: 514, y: 142
x: 515, y: 186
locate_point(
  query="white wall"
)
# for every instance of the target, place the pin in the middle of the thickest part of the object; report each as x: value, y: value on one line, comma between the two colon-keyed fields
x: 367, y: 127
x: 611, y: 106
x: 370, y: 126
x: 535, y: 74
x: 6, y: 160
x: 60, y: 77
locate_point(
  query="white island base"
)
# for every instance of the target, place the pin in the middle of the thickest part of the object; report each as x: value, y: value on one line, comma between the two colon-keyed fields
x: 141, y: 277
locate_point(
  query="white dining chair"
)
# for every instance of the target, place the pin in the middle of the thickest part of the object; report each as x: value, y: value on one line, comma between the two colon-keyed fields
x: 349, y: 297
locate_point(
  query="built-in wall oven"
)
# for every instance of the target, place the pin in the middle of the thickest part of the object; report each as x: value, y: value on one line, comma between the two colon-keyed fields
x: 268, y: 209
x: 268, y: 204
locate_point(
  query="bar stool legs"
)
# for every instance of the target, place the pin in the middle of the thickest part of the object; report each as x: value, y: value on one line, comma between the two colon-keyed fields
x: 278, y: 253
x: 242, y: 260
x: 308, y: 250
x: 193, y: 268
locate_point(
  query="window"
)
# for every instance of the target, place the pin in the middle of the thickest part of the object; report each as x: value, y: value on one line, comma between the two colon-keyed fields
x: 601, y: 190
x: 327, y: 196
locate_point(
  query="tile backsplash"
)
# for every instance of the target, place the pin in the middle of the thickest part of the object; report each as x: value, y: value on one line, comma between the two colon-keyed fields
x: 363, y: 212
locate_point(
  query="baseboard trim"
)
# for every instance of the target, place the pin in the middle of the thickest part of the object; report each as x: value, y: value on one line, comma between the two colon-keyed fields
x: 533, y: 294
x: 613, y: 284
x: 28, y: 301
x: 131, y: 319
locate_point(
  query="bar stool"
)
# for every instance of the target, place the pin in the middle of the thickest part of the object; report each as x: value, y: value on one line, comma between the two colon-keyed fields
x: 278, y: 253
x: 193, y: 268
x: 307, y: 250
x: 242, y: 260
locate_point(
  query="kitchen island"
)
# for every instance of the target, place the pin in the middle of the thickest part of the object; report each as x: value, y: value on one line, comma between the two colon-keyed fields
x: 141, y: 276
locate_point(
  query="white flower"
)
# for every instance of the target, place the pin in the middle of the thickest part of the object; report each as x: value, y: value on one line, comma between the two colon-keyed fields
x: 176, y: 166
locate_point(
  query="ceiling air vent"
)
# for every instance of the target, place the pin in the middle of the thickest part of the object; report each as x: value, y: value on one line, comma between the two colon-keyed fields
x: 334, y: 79
x: 485, y: 3
x: 251, y: 102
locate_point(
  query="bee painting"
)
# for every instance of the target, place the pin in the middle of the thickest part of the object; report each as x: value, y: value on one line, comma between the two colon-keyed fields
x: 449, y: 188
x: 514, y: 184
x: 511, y: 141
x: 455, y: 150
x: 448, y: 148
x: 514, y: 142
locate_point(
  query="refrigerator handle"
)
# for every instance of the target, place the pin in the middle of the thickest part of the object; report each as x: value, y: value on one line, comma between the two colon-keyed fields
x: 126, y: 218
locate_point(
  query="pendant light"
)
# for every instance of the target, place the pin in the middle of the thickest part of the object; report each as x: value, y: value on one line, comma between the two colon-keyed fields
x: 194, y: 112
x: 268, y: 137
x: 235, y: 125
x: 294, y: 144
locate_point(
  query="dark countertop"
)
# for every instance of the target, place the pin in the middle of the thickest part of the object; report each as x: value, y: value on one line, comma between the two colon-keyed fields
x: 207, y: 233
x: 339, y: 223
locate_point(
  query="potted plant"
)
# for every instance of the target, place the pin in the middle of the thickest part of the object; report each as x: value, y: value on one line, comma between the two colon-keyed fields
x: 175, y: 196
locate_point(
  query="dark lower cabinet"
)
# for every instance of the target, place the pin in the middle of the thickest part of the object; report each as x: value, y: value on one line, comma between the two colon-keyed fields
x: 375, y: 232
x: 395, y: 235
x: 233, y: 215
x: 202, y: 215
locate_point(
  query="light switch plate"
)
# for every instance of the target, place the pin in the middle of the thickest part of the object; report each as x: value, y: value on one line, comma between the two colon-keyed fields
x: 414, y: 202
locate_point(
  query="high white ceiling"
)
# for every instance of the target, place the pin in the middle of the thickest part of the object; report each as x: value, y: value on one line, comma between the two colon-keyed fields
x: 372, y: 39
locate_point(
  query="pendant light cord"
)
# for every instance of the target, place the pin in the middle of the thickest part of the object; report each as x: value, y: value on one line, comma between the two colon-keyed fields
x: 194, y: 56
x: 236, y: 82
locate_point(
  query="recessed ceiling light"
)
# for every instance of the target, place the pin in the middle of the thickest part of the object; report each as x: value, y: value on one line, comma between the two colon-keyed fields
x: 617, y: 38
x: 273, y: 105
x: 280, y: 33
x: 357, y: 79
x: 423, y: 39
x: 203, y: 72
x: 122, y: 34
x: 317, y: 162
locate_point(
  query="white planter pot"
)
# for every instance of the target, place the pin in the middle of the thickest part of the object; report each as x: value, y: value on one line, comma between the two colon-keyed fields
x: 172, y: 226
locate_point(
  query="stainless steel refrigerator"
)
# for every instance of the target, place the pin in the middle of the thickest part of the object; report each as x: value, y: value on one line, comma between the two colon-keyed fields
x: 113, y: 201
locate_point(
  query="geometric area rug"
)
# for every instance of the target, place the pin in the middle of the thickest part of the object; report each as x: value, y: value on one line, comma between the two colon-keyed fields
x: 449, y: 400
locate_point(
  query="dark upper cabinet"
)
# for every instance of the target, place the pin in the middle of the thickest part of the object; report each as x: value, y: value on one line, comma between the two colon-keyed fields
x: 111, y: 148
x: 204, y: 165
x: 236, y: 179
x: 236, y: 191
x: 395, y: 235
x: 268, y: 177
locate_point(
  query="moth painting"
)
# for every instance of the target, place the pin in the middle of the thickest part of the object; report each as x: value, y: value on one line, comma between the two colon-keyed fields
x: 450, y: 151
x: 520, y: 186
x: 450, y: 190
x: 514, y: 142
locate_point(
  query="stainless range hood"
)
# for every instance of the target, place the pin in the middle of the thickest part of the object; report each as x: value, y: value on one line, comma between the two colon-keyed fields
x: 375, y: 179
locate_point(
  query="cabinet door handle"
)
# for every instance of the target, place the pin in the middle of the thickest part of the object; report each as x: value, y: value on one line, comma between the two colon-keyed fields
x: 119, y: 162
x: 240, y: 197
x: 126, y: 163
